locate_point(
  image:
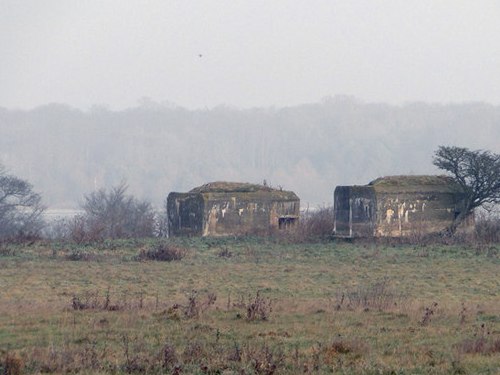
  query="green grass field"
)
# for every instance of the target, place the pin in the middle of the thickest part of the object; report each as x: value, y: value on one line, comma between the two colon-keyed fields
x: 251, y: 306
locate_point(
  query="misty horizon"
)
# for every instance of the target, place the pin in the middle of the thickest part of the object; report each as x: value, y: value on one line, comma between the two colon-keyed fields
x: 152, y: 103
x: 309, y: 149
x: 304, y: 94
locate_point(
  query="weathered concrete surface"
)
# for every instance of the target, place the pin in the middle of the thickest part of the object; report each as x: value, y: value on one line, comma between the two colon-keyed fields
x: 397, y: 206
x: 228, y: 208
x: 355, y: 208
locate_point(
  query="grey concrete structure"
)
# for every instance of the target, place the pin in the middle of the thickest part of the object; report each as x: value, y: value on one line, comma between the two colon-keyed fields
x: 230, y: 208
x: 397, y: 206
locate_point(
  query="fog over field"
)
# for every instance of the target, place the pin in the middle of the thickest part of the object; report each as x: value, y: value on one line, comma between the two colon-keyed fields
x: 309, y: 148
x: 305, y: 94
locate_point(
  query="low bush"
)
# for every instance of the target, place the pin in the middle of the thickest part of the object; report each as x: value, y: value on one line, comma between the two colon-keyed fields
x: 256, y: 307
x: 259, y: 308
x: 480, y: 345
x: 224, y: 253
x: 487, y: 229
x: 378, y: 296
x: 11, y: 365
x: 195, y: 306
x: 313, y: 225
x: 341, y: 345
x: 103, y: 302
x: 82, y: 255
x: 162, y: 252
x: 6, y: 250
x: 108, y: 214
x: 169, y: 356
x: 428, y: 314
x: 264, y: 360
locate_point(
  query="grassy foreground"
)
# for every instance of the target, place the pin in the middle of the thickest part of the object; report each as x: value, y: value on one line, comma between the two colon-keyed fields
x: 250, y: 306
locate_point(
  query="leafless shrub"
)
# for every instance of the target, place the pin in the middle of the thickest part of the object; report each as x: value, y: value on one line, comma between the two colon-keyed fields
x: 87, y: 301
x: 161, y: 223
x: 82, y: 255
x: 224, y: 253
x: 70, y: 359
x: 482, y: 343
x: 169, y: 356
x: 428, y: 313
x: 463, y: 314
x: 474, y: 346
x: 264, y: 360
x: 133, y: 363
x: 162, y: 252
x: 485, y: 233
x: 341, y: 345
x: 194, y: 352
x: 379, y: 296
x: 113, y: 214
x: 457, y: 366
x: 12, y: 364
x: 138, y: 356
x: 489, y: 250
x: 6, y: 250
x: 95, y: 301
x: 77, y: 304
x: 234, y: 354
x: 56, y: 360
x: 423, y: 253
x: 314, y: 224
x: 192, y: 309
x: 81, y: 230
x: 419, y: 237
x: 194, y: 306
x: 58, y: 229
x: 258, y: 308
x: 252, y: 254
x: 487, y: 228
x: 91, y: 357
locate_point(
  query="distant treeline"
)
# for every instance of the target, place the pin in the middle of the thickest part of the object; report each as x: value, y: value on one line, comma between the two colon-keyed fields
x: 66, y: 153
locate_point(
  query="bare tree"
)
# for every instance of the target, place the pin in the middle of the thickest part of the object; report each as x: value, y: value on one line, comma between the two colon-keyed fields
x: 20, y: 207
x: 476, y: 172
x: 114, y: 214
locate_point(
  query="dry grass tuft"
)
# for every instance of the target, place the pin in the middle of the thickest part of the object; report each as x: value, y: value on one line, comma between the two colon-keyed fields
x: 342, y: 346
x: 428, y: 314
x: 12, y: 364
x: 83, y: 256
x: 264, y: 360
x: 377, y: 296
x: 480, y: 345
x: 163, y: 252
x: 169, y: 356
x: 256, y: 308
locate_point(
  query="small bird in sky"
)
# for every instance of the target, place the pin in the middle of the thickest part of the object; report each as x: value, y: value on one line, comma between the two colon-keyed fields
x: 200, y: 55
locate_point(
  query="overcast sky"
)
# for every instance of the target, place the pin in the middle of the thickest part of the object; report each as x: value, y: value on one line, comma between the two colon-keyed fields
x: 248, y: 53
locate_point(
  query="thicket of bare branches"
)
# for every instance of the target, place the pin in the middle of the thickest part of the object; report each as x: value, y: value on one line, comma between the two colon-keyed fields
x: 20, y: 207
x: 313, y: 225
x: 111, y: 214
x: 487, y: 228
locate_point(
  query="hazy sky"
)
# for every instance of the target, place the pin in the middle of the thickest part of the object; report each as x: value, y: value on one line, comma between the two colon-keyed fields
x: 253, y: 52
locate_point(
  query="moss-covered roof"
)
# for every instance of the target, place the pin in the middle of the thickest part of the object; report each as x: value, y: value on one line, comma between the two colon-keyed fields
x: 230, y: 187
x: 415, y: 183
x: 214, y: 190
x: 412, y: 180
